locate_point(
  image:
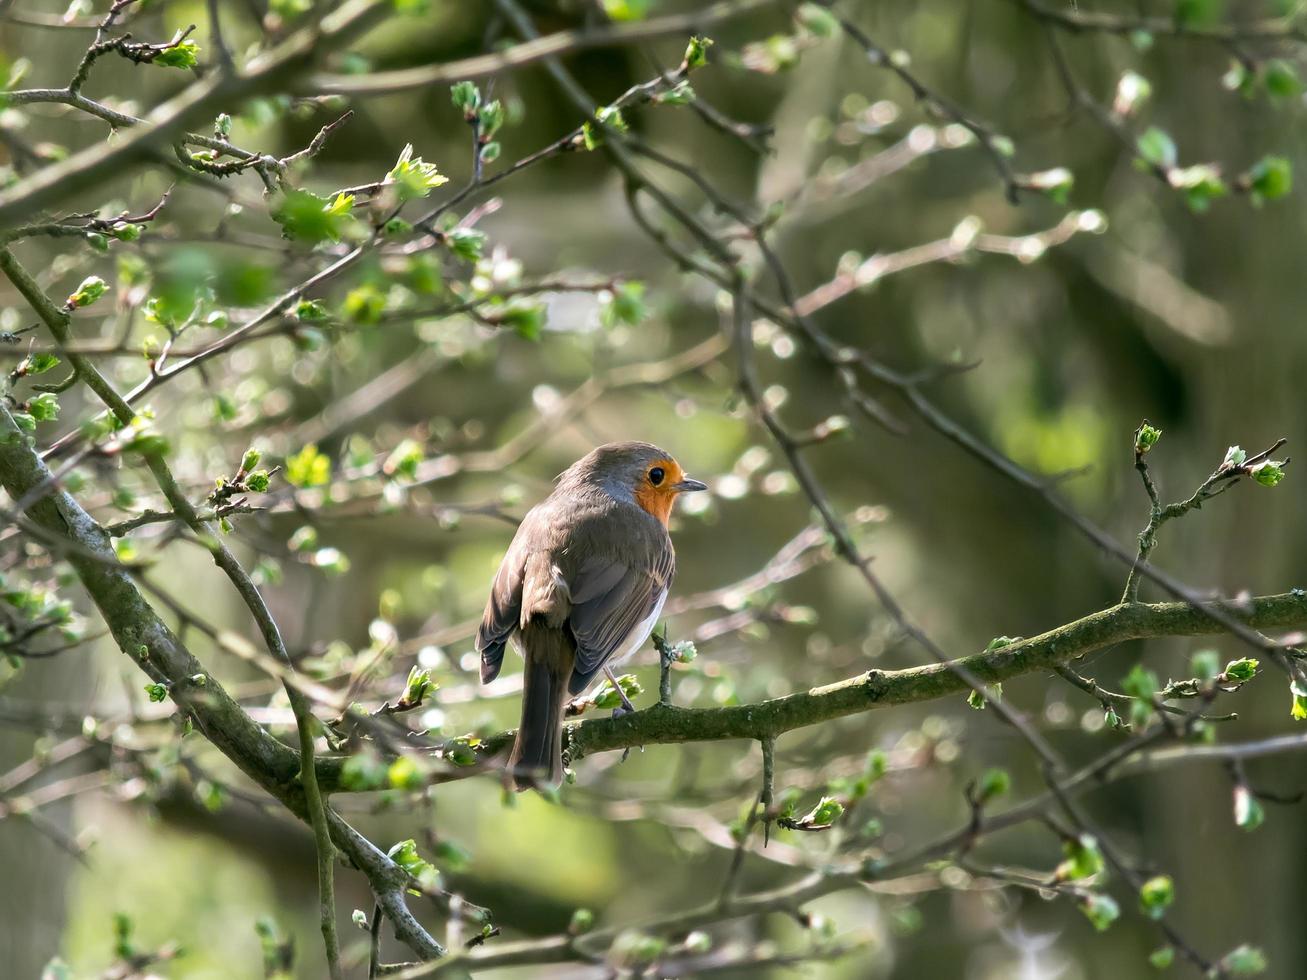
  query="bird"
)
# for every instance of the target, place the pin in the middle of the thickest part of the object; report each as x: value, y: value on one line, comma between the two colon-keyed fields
x: 580, y: 588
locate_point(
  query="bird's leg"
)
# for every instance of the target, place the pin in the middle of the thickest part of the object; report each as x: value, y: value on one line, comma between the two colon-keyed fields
x: 627, y: 708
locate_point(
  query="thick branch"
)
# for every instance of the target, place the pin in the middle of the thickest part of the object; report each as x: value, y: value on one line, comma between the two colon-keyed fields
x: 665, y: 724
x: 141, y: 634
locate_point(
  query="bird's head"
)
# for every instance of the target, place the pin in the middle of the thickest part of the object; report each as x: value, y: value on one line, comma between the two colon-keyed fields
x: 636, y: 472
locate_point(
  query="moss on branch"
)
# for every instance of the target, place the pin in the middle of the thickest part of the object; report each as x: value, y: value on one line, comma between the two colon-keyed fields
x: 668, y: 724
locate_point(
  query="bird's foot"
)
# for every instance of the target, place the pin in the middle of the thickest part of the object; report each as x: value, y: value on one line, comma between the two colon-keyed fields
x: 626, y: 707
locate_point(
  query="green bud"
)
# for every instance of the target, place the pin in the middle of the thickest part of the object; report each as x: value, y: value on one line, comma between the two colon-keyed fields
x: 1101, y: 909
x: 1243, y: 961
x: 583, y: 920
x: 250, y: 459
x: 696, y: 52
x: 1083, y: 859
x: 1205, y: 664
x: 1248, y: 810
x: 1269, y: 473
x: 156, y: 692
x: 466, y: 97
x: 397, y: 228
x: 91, y: 289
x: 1160, y: 959
x: 44, y: 407
x: 418, y: 686
x: 1156, y: 895
x: 1241, y: 670
x: 995, y: 782
x: 825, y: 813
x: 258, y: 481
x: 182, y: 55
x: 1146, y: 437
x: 1298, y: 711
x: 492, y: 117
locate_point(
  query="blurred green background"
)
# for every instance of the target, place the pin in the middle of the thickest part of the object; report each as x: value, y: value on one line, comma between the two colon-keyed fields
x: 1190, y: 320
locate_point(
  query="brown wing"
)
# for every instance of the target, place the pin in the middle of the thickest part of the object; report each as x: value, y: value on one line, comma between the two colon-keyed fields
x: 610, y: 598
x: 504, y: 607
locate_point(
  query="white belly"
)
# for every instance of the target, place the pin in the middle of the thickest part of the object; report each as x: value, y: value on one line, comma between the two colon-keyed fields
x: 638, y: 635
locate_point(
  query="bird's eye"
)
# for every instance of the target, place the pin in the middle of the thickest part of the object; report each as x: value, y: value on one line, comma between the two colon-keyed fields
x: 656, y: 475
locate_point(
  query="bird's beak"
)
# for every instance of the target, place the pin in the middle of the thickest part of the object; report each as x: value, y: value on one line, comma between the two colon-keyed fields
x: 687, y: 485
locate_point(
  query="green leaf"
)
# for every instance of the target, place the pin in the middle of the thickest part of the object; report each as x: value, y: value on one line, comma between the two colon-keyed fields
x: 1244, y: 961
x: 38, y: 364
x: 1146, y: 437
x: 413, y: 177
x: 44, y: 407
x: 626, y: 10
x: 1156, y: 895
x: 979, y: 700
x: 995, y: 782
x: 404, y: 459
x: 126, y: 232
x: 156, y: 692
x: 466, y: 98
x: 1055, y: 183
x: 696, y: 52
x: 467, y: 243
x: 1101, y: 909
x: 1242, y: 670
x: 1249, y: 814
x: 405, y: 773
x: 1269, y: 178
x: 418, y: 685
x: 308, y: 468
x: 1298, y: 711
x: 310, y: 311
x: 1141, y: 684
x: 607, y: 697
x: 1201, y: 183
x: 1157, y: 148
x: 1281, y: 79
x: 1194, y: 13
x: 825, y: 813
x: 182, y: 55
x: 1206, y: 664
x: 1083, y: 859
x: 817, y: 20
x: 592, y: 132
x: 1161, y: 958
x: 624, y: 304
x: 1132, y: 91
x: 680, y: 94
x: 1269, y: 473
x: 91, y: 289
x: 528, y: 321
x: 363, y: 772
x: 364, y: 304
x: 305, y: 217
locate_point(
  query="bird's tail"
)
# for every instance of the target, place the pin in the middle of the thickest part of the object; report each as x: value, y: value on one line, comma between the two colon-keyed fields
x: 537, y: 757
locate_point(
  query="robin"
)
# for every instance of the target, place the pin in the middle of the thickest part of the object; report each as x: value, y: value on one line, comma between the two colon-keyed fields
x: 581, y: 587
